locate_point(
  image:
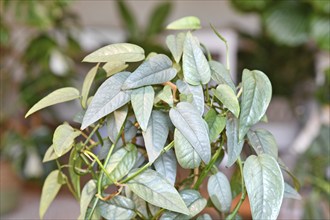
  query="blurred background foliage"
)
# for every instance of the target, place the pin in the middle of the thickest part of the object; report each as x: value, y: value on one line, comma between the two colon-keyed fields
x: 291, y: 33
x: 38, y: 51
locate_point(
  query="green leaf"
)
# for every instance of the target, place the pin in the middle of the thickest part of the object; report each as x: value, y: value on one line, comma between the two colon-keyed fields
x: 105, y: 102
x: 263, y: 142
x: 220, y: 74
x: 114, y: 123
x: 128, y: 19
x: 49, y: 191
x: 228, y: 98
x: 185, y: 23
x: 75, y: 161
x: 50, y: 154
x: 290, y: 192
x: 265, y: 186
x: 113, y: 67
x: 63, y: 138
x: 216, y: 124
x: 156, y: 70
x: 186, y: 155
x: 87, y: 194
x: 234, y: 145
x: 175, y: 44
x: 124, y: 52
x: 156, y: 134
x: 166, y: 95
x: 205, y: 216
x: 87, y: 85
x: 153, y: 188
x: 196, y: 69
x: 166, y: 166
x: 196, y: 92
x: 219, y: 191
x: 121, y: 162
x: 158, y: 18
x: 140, y: 204
x: 58, y: 96
x: 256, y: 96
x: 235, y: 182
x: 142, y: 101
x: 193, y: 200
x: 188, y: 121
x: 118, y: 207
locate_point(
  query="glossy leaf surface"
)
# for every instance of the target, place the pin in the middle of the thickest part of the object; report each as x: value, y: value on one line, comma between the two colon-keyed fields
x: 63, y: 138
x: 263, y: 142
x: 196, y: 69
x: 188, y: 121
x: 156, y: 134
x: 87, y: 195
x: 186, y: 155
x: 104, y: 102
x: 166, y: 165
x: 155, y: 70
x: 124, y: 52
x: 256, y: 96
x: 142, y: 101
x: 228, y: 98
x: 119, y: 207
x: 58, y: 96
x: 175, y: 44
x: 216, y: 124
x: 220, y: 74
x: 234, y: 146
x: 153, y: 188
x: 265, y: 186
x: 219, y: 191
x: 196, y: 92
x: 113, y: 67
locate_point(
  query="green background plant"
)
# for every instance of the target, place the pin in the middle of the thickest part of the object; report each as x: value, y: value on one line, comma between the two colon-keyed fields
x: 161, y: 113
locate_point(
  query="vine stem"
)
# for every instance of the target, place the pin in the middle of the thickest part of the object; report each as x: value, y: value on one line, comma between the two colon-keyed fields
x: 226, y: 43
x: 207, y: 169
x: 239, y: 204
x: 146, y: 166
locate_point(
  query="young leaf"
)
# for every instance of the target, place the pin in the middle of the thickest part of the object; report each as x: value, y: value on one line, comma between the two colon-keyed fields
x: 221, y: 75
x: 105, y: 102
x: 185, y: 23
x: 58, y: 96
x: 188, y: 121
x: 219, y: 191
x: 186, y: 155
x: 153, y: 188
x: 265, y: 186
x: 50, y: 154
x: 263, y: 142
x: 256, y: 95
x: 124, y: 52
x: 166, y: 95
x: 87, y: 195
x: 121, y: 162
x: 155, y: 135
x: 216, y: 124
x: 175, y: 44
x: 63, y: 138
x: 193, y: 200
x: 234, y: 146
x: 49, y: 191
x: 156, y: 70
x: 196, y: 69
x: 119, y: 207
x: 114, y: 123
x: 87, y: 85
x: 196, y: 92
x: 228, y: 98
x: 113, y: 67
x: 166, y: 165
x: 142, y: 101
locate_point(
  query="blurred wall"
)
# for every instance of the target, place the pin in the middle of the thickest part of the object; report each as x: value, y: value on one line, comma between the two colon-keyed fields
x: 102, y: 13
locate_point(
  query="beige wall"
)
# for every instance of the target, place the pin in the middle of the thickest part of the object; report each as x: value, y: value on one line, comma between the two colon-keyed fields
x: 103, y: 13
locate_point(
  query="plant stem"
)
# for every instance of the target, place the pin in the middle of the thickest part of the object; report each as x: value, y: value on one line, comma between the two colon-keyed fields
x: 233, y: 214
x: 207, y: 169
x: 146, y: 166
x: 92, y: 133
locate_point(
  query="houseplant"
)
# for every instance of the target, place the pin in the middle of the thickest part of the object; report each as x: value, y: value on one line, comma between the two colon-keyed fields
x: 162, y: 113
